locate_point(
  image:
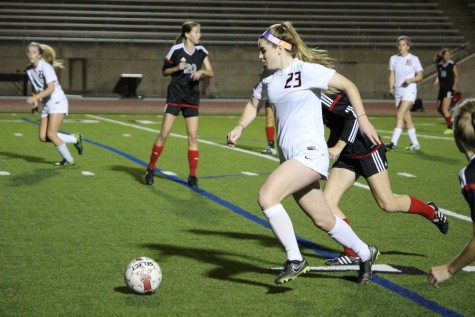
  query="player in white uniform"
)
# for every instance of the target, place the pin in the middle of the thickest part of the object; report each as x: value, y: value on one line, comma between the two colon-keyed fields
x: 405, y: 70
x: 294, y: 79
x: 46, y: 89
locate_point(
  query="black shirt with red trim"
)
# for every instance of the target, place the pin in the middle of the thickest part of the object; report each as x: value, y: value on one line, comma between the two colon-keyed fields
x: 467, y: 183
x: 182, y: 90
x: 340, y: 117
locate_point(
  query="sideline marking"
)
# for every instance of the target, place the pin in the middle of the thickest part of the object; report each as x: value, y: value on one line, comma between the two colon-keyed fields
x: 406, y: 174
x: 381, y: 268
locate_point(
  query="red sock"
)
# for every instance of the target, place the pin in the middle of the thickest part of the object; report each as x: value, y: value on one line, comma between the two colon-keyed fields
x: 270, y: 132
x: 421, y: 208
x: 348, y: 251
x: 448, y: 121
x: 156, y: 151
x: 193, y: 157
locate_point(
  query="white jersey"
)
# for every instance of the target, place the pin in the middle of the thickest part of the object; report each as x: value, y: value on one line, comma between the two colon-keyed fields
x: 39, y: 78
x: 294, y: 95
x: 404, y: 68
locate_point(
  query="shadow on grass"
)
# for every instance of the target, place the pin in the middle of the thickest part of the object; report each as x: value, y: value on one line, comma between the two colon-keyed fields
x: 27, y: 158
x: 138, y: 173
x: 225, y: 269
x: 35, y: 176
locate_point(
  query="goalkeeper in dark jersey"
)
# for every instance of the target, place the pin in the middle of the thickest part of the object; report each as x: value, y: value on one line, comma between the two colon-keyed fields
x: 355, y: 157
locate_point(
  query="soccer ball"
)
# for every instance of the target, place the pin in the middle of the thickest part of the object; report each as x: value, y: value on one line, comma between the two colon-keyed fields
x: 143, y: 275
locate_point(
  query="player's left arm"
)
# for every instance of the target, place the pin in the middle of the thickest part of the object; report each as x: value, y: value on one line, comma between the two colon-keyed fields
x: 340, y: 82
x: 441, y: 273
x: 207, y: 71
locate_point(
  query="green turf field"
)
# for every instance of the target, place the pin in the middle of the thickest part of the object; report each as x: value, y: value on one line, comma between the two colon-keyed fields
x: 67, y: 234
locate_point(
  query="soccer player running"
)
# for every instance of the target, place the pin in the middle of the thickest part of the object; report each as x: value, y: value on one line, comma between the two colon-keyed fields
x: 293, y: 82
x: 447, y: 79
x: 464, y: 135
x: 46, y: 88
x: 356, y: 157
x: 184, y: 64
x: 405, y: 70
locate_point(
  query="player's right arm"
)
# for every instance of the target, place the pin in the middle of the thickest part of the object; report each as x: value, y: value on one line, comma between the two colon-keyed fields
x: 391, y: 83
x: 248, y: 115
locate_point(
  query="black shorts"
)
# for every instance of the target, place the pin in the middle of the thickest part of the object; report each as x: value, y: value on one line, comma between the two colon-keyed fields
x: 187, y: 112
x: 445, y: 93
x: 365, y: 166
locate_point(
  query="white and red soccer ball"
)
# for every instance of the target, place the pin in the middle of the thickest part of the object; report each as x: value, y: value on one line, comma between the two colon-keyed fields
x: 143, y: 275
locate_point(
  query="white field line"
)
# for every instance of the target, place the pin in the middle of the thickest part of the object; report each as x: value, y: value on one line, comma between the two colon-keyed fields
x: 357, y: 184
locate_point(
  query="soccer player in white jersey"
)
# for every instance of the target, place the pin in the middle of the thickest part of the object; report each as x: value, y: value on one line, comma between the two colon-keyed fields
x: 184, y: 63
x: 46, y: 88
x: 405, y: 70
x: 293, y: 82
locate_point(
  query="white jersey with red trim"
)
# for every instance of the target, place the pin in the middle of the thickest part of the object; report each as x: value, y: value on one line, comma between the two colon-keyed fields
x: 294, y: 94
x: 39, y: 78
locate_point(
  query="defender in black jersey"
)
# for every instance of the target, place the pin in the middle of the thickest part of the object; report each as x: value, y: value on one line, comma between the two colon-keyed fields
x: 356, y: 157
x: 447, y: 79
x: 464, y: 135
x: 184, y: 63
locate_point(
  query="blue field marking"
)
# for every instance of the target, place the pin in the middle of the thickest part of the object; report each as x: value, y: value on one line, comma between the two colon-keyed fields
x: 404, y: 292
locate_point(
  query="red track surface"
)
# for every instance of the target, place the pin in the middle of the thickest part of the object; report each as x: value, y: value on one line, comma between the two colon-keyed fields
x: 208, y: 106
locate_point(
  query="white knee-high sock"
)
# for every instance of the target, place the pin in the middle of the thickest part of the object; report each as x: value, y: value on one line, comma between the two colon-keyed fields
x: 396, y: 135
x: 63, y: 150
x: 67, y: 138
x: 412, y: 136
x: 344, y: 235
x: 281, y: 224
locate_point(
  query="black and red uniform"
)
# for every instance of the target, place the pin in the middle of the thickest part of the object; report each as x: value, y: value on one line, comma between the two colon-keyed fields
x: 467, y: 182
x: 359, y: 155
x: 183, y: 91
x: 446, y: 76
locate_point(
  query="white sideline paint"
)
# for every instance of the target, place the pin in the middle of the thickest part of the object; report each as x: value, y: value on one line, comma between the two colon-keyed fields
x: 87, y: 173
x: 406, y: 175
x: 4, y: 173
x: 357, y: 184
x: 249, y: 173
x: 385, y: 268
x: 469, y: 269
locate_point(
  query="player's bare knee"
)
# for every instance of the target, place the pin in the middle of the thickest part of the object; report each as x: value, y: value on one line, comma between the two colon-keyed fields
x: 388, y: 206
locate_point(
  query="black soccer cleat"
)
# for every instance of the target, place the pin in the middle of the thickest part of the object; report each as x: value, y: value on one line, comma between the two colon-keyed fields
x: 149, y: 176
x: 291, y: 270
x: 192, y: 181
x: 439, y: 220
x: 391, y: 146
x: 343, y: 259
x: 365, y: 267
